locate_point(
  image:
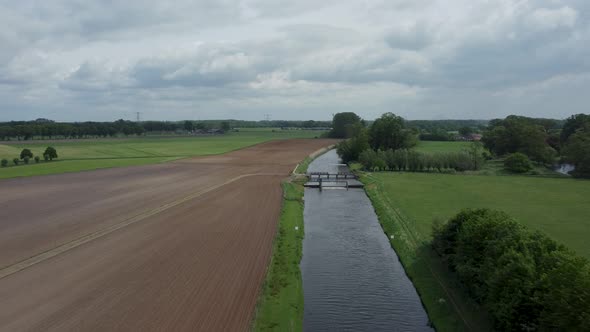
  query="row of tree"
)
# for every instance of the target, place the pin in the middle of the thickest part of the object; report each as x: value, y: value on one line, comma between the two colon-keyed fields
x: 47, y: 129
x: 26, y: 155
x: 525, y: 280
x: 414, y: 161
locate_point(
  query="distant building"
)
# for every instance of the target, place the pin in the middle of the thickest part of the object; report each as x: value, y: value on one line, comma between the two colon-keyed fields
x: 474, y: 137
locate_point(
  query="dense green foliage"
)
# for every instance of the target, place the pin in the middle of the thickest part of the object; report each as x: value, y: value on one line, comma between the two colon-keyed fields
x: 351, y: 149
x: 577, y: 151
x: 576, y: 144
x: 431, y: 126
x: 26, y: 153
x: 390, y: 132
x: 346, y: 125
x: 414, y: 161
x: 4, y: 162
x: 47, y: 129
x: 280, y: 306
x: 574, y: 123
x: 524, y: 279
x: 15, y: 161
x: 50, y: 153
x: 520, y: 134
x: 517, y: 163
x: 37, y: 159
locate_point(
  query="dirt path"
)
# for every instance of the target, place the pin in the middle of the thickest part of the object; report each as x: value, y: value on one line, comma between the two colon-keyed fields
x: 178, y: 246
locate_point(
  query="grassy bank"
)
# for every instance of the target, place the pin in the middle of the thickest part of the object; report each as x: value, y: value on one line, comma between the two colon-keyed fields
x: 280, y: 306
x: 91, y: 154
x: 408, y: 203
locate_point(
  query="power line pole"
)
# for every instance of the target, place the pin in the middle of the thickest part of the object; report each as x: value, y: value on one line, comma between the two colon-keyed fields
x: 138, y: 116
x: 267, y: 117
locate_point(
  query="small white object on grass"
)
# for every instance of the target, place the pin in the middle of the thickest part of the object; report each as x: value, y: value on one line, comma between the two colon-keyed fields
x: 296, y: 228
x: 391, y: 237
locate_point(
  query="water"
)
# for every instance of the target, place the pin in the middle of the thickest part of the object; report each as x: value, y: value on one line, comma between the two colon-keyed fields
x: 565, y: 168
x: 352, y: 278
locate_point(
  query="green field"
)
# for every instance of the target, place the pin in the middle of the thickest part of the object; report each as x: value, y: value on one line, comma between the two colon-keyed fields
x: 93, y: 154
x: 408, y: 203
x: 280, y: 306
x: 434, y: 146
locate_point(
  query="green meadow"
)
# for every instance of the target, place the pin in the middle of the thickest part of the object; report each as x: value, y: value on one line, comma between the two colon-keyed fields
x: 80, y: 155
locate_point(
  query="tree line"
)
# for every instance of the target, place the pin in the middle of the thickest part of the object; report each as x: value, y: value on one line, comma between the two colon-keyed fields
x: 543, y: 140
x: 525, y: 280
x: 47, y: 129
x: 26, y: 155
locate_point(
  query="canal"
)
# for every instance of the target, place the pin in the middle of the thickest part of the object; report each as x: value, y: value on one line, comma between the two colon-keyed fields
x: 352, y: 278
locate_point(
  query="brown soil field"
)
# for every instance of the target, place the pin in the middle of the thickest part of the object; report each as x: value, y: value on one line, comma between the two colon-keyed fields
x: 181, y: 246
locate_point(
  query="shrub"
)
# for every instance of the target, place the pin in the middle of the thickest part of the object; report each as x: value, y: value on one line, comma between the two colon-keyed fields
x: 45, y: 157
x: 524, y: 279
x: 26, y: 153
x: 16, y: 161
x: 517, y: 163
x: 4, y: 162
x: 26, y: 159
x: 37, y: 159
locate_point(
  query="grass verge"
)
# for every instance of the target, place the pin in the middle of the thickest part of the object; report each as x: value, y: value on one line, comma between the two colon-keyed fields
x: 280, y: 306
x: 447, y: 305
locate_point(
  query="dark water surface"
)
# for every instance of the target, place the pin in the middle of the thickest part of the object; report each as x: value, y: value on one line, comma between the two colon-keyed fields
x: 352, y: 278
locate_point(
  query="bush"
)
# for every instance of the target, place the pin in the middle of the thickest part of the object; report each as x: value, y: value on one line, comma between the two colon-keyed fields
x: 4, y: 162
x: 26, y: 153
x: 351, y: 149
x: 518, y: 163
x: 524, y: 279
x: 45, y: 157
x: 413, y: 161
x: 16, y: 161
x: 26, y: 159
x: 37, y: 159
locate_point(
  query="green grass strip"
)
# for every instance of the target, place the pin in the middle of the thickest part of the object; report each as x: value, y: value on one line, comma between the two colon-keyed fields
x: 448, y: 307
x: 280, y: 306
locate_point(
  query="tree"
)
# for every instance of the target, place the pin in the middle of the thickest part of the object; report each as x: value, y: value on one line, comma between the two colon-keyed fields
x: 573, y: 124
x: 517, y: 163
x: 577, y: 152
x: 389, y: 132
x: 465, y: 131
x: 345, y: 125
x: 50, y: 153
x: 4, y: 162
x: 351, y: 149
x: 16, y: 161
x: 475, y: 151
x: 189, y: 125
x: 26, y: 153
x: 37, y: 159
x: 519, y: 134
x: 225, y: 126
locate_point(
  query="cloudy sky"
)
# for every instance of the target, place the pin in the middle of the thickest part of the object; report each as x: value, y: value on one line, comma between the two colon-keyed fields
x: 73, y: 60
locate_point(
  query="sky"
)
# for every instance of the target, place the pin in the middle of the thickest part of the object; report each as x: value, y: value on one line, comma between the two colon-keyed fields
x: 83, y: 60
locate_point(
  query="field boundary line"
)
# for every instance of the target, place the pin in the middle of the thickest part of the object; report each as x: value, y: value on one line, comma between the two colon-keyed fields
x: 24, y: 264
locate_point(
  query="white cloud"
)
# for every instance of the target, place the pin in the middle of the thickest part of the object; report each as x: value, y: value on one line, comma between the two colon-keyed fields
x: 78, y: 60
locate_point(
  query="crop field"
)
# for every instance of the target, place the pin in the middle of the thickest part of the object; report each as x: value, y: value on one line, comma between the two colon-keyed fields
x: 79, y: 155
x: 155, y: 247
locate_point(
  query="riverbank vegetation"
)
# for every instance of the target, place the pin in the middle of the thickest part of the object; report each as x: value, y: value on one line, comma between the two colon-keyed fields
x: 280, y: 306
x: 512, y: 172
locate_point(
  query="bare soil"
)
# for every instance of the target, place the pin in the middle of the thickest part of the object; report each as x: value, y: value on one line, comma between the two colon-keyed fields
x: 181, y: 246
